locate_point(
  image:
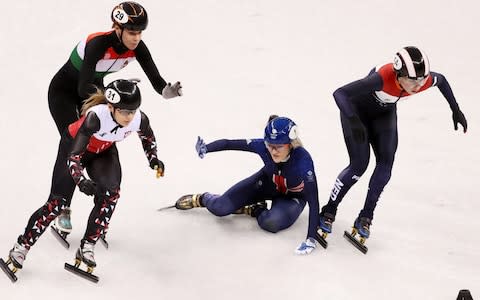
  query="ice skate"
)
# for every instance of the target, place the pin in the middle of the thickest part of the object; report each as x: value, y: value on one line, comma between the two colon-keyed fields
x: 15, y: 260
x: 252, y: 210
x: 63, y: 222
x: 189, y: 202
x: 361, y: 226
x: 325, y: 225
x: 62, y: 227
x: 84, y: 254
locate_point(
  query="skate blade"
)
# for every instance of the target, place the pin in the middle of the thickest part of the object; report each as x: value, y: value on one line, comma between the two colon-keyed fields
x: 355, y: 242
x: 166, y: 207
x: 84, y: 274
x: 321, y: 239
x: 9, y: 272
x: 62, y: 238
x: 104, y: 241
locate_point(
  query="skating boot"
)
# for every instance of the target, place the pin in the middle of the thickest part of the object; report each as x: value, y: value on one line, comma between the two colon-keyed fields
x: 361, y: 226
x: 189, y: 202
x: 84, y: 254
x: 62, y: 222
x: 63, y: 226
x: 252, y: 210
x: 16, y: 257
x: 325, y: 225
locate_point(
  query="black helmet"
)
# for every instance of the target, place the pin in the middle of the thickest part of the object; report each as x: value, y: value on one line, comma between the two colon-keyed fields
x: 130, y: 15
x: 123, y: 94
x: 411, y: 62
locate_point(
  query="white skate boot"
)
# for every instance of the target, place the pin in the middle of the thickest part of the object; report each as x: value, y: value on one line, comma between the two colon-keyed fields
x: 17, y: 255
x: 85, y: 254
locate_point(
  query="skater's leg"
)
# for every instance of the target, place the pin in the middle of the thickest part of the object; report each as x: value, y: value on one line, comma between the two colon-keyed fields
x: 63, y: 102
x: 105, y: 170
x: 384, y: 144
x: 359, y: 156
x: 283, y: 213
x: 245, y: 192
x: 61, y: 193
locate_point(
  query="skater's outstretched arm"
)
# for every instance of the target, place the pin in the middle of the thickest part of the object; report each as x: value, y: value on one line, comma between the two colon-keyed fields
x: 223, y: 144
x: 150, y: 145
x: 457, y: 115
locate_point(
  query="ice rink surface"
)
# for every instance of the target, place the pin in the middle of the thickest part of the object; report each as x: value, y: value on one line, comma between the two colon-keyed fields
x: 240, y: 61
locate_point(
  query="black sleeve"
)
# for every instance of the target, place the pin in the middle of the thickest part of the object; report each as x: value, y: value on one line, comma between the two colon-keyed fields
x: 146, y: 62
x: 441, y: 82
x: 79, y: 146
x: 94, y: 51
x: 147, y: 137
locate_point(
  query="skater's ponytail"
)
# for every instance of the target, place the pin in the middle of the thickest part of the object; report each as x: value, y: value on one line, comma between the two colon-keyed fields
x: 96, y: 98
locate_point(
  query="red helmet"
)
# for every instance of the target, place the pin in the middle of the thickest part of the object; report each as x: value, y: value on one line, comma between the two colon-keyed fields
x: 130, y: 15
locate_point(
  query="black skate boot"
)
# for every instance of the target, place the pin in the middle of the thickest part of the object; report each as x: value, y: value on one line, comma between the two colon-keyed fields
x: 84, y: 254
x: 326, y: 222
x: 16, y: 257
x: 252, y: 210
x: 361, y: 226
x: 325, y: 225
x: 189, y: 201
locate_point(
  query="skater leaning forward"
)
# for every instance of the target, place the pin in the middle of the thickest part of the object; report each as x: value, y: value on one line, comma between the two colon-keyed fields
x: 368, y: 114
x: 89, y: 143
x: 287, y: 179
x: 98, y: 55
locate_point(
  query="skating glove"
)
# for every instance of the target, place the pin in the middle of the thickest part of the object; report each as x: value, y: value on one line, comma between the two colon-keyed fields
x: 201, y: 147
x: 157, y: 165
x: 171, y: 91
x: 458, y: 117
x: 358, y: 130
x: 306, y: 247
x: 88, y: 187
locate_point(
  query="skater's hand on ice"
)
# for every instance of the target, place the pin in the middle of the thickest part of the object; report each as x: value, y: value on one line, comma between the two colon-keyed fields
x: 88, y: 187
x: 157, y: 165
x: 306, y: 247
x: 201, y: 147
x: 459, y: 117
x: 171, y: 91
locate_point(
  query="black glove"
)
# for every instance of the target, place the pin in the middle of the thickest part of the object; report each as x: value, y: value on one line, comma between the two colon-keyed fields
x: 458, y: 117
x: 158, y: 165
x: 358, y: 130
x: 88, y: 187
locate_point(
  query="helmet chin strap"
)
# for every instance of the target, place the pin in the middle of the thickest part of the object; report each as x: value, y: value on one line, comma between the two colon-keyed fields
x: 120, y: 39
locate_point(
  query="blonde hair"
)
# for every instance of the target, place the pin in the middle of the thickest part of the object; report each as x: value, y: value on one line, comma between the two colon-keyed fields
x: 96, y: 98
x: 296, y: 143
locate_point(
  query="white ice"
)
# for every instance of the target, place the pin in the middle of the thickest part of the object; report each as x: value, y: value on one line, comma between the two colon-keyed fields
x: 240, y: 61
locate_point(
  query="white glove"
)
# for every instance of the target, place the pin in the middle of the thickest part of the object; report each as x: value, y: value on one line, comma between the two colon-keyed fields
x: 171, y: 91
x: 306, y: 247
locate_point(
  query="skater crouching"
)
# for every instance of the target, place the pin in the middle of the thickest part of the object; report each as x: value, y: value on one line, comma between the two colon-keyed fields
x: 368, y: 114
x: 89, y: 144
x: 287, y: 179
